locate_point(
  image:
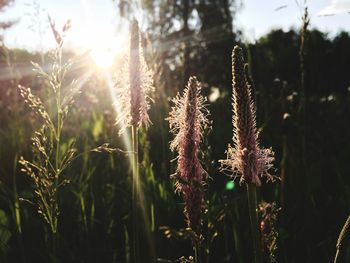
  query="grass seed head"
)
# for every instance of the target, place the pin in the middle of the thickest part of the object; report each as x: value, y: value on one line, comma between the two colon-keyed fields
x: 245, y: 158
x: 134, y: 84
x: 187, y: 119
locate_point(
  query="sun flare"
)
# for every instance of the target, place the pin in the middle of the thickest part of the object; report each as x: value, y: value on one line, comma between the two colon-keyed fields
x: 103, y: 57
x: 105, y: 45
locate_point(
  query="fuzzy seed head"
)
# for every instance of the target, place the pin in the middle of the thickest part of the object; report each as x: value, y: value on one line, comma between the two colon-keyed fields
x: 133, y: 85
x: 245, y: 159
x: 187, y: 119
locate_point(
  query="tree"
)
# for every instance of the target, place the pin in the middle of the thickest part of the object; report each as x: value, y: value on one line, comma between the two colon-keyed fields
x: 4, y: 24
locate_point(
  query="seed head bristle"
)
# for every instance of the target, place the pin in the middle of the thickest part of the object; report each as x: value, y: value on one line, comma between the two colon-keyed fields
x: 133, y: 85
x: 187, y: 119
x: 245, y: 159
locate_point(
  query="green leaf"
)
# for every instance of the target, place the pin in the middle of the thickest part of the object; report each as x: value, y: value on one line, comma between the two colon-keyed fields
x: 5, y: 233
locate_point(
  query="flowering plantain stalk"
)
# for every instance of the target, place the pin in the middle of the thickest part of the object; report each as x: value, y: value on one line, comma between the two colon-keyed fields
x: 246, y: 159
x: 133, y: 86
x: 187, y: 119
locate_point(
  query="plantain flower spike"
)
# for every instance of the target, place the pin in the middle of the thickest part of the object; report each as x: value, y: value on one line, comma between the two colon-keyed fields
x: 187, y: 119
x: 134, y: 84
x: 245, y: 159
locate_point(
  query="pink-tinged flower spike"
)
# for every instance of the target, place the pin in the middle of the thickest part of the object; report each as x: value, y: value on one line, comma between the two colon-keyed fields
x: 134, y: 83
x: 187, y: 120
x: 245, y: 159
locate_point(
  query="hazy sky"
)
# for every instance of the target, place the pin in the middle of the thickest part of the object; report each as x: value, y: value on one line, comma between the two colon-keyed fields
x: 95, y: 20
x: 258, y: 16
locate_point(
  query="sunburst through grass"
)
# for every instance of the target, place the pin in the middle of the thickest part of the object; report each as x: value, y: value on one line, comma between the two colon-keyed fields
x: 134, y: 83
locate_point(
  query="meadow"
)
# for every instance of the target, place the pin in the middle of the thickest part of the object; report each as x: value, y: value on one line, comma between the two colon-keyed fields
x: 190, y: 147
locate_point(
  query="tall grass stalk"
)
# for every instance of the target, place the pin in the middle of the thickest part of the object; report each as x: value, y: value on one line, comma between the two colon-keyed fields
x: 305, y: 22
x: 134, y: 84
x: 245, y: 158
x: 51, y: 156
x: 344, y: 233
x: 254, y: 227
x: 17, y: 211
x: 135, y: 194
x: 187, y: 120
x: 197, y: 252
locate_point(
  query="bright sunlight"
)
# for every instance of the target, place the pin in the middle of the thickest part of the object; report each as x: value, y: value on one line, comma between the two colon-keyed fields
x: 103, y: 57
x: 104, y: 50
x: 104, y: 45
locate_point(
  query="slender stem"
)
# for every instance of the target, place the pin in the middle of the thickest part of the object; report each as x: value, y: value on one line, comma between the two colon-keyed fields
x: 344, y: 233
x: 336, y: 256
x: 17, y: 211
x: 54, y: 232
x: 197, y: 253
x: 253, y: 214
x: 303, y: 35
x: 54, y: 246
x: 135, y: 188
x: 207, y: 249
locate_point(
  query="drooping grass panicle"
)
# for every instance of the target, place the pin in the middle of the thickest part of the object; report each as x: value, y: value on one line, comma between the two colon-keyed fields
x: 187, y: 119
x: 40, y: 169
x: 133, y: 85
x: 245, y: 158
x: 59, y: 36
x: 35, y: 104
x: 50, y: 158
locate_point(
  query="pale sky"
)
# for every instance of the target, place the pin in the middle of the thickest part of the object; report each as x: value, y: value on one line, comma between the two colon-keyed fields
x: 94, y: 22
x: 258, y: 17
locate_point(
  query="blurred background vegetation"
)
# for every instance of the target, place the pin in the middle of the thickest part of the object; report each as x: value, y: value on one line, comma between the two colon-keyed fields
x: 302, y: 90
